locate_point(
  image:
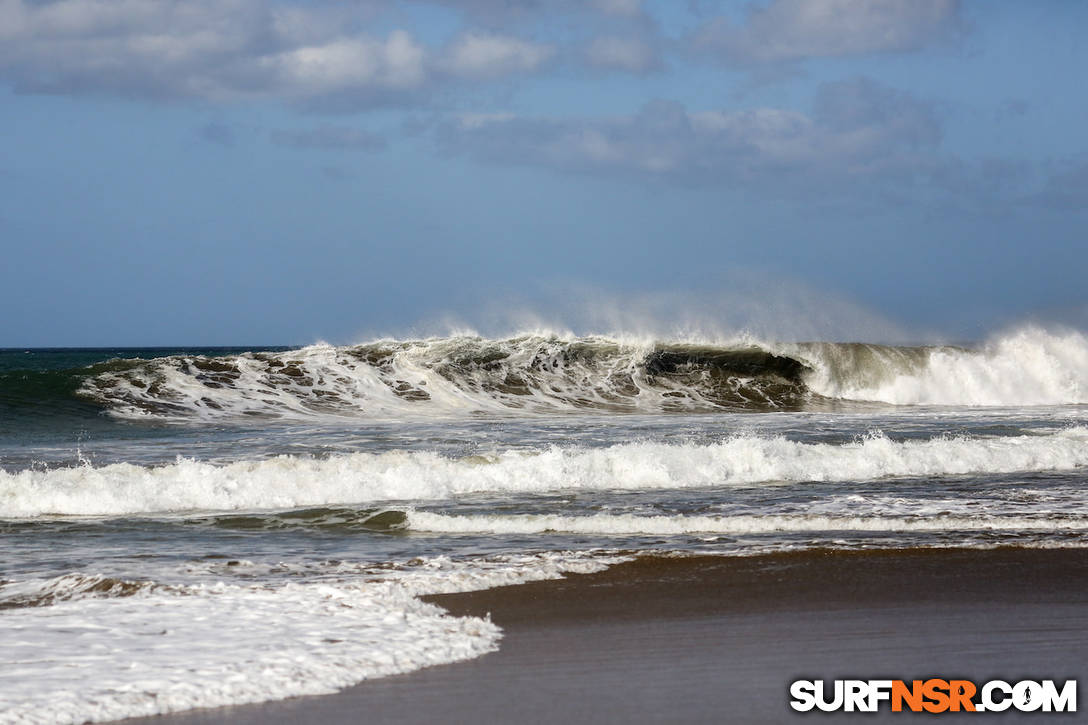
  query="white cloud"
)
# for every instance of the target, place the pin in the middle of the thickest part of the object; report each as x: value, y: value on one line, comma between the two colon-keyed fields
x: 492, y: 12
x: 237, y: 49
x: 394, y: 63
x: 877, y: 135
x: 631, y: 53
x: 212, y: 49
x: 320, y: 54
x: 629, y: 8
x: 787, y: 30
x: 485, y: 55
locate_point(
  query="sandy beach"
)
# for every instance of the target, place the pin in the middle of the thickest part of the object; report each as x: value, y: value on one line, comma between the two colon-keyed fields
x: 717, y: 639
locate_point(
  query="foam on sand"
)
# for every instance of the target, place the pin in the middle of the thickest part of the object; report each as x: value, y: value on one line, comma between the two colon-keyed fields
x: 94, y: 654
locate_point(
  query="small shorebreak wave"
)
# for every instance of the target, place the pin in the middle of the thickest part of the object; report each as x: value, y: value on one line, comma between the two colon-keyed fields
x: 68, y: 587
x: 546, y: 374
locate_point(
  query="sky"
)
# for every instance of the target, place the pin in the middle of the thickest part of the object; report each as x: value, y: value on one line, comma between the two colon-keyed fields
x: 258, y: 172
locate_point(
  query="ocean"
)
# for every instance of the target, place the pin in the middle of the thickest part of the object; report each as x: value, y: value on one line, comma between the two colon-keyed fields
x: 189, y: 528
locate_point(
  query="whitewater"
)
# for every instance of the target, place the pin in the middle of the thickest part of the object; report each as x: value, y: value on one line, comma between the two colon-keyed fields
x: 198, y: 527
x: 549, y: 374
x: 368, y: 478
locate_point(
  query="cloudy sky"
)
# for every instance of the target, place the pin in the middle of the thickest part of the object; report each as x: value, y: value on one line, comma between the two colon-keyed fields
x: 258, y: 172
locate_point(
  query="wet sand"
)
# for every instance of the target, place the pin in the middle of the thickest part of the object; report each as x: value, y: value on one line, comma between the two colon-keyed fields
x: 708, y: 639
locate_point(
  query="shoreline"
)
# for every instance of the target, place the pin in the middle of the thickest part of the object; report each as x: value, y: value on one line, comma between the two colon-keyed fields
x: 712, y: 639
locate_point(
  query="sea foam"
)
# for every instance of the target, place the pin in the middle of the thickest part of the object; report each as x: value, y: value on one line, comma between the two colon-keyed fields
x: 630, y: 524
x: 91, y: 657
x: 286, y: 482
x: 1029, y: 367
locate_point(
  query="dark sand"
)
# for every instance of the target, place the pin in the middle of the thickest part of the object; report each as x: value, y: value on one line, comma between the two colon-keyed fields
x: 705, y: 639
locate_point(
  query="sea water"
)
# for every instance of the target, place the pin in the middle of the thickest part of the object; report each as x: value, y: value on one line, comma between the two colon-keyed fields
x: 189, y: 528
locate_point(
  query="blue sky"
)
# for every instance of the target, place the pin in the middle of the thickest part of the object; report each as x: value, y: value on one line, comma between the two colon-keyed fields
x: 251, y: 172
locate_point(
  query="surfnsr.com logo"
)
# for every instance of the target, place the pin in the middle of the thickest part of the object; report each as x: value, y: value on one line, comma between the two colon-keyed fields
x: 933, y: 695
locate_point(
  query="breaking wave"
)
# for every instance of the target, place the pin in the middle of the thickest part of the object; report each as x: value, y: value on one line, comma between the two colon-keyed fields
x: 1025, y: 368
x: 463, y: 376
x: 287, y: 482
x: 460, y: 376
